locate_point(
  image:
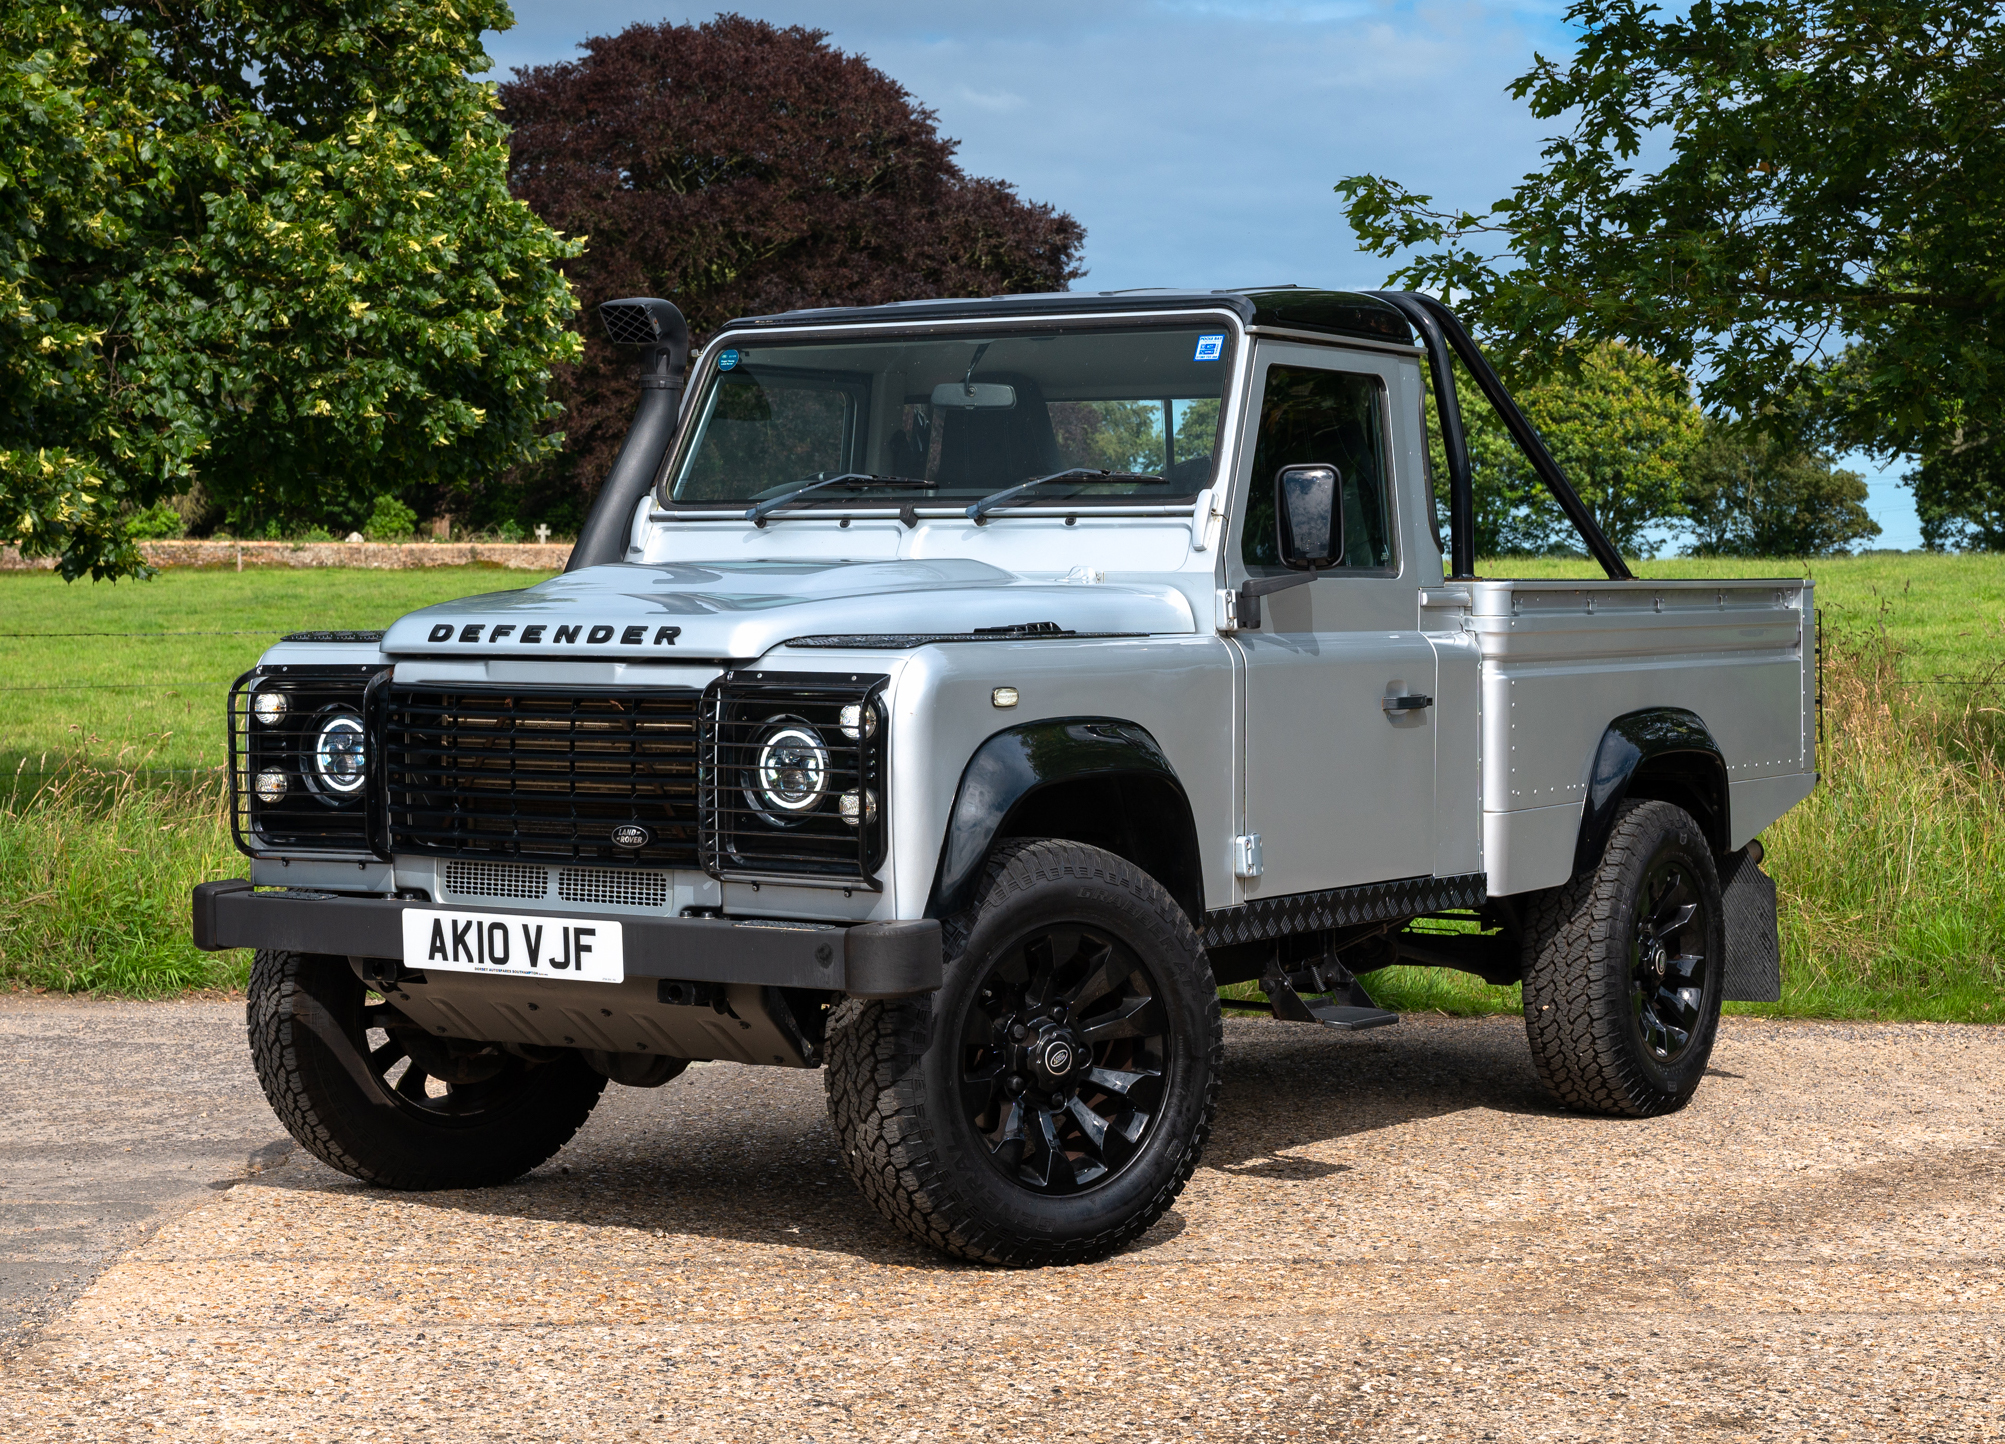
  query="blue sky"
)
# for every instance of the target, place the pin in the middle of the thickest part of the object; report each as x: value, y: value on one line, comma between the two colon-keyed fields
x: 1198, y: 141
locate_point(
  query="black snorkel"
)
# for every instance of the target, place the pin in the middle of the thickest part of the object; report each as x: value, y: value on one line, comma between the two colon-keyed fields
x: 658, y: 326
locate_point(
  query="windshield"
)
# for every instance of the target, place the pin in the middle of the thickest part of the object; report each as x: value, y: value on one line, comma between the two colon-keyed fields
x: 945, y: 421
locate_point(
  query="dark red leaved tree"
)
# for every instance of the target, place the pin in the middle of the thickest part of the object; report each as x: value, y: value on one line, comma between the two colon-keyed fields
x: 737, y: 169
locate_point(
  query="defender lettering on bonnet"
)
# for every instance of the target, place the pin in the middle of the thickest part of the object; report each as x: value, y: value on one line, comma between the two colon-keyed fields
x: 635, y: 635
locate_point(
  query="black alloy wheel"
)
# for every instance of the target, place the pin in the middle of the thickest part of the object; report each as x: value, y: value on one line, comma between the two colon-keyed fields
x: 370, y: 1093
x: 1671, y: 960
x: 1051, y: 1100
x: 1064, y: 1050
x: 447, y: 1082
x: 1623, y: 969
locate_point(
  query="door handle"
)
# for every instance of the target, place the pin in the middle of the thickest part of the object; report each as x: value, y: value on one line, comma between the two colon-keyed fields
x: 1412, y: 702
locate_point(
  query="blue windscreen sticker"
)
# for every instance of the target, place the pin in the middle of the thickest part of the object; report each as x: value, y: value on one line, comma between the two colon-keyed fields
x: 727, y: 359
x: 1209, y: 348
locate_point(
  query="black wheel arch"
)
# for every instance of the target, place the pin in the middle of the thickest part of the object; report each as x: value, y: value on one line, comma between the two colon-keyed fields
x: 1664, y: 754
x: 1102, y: 781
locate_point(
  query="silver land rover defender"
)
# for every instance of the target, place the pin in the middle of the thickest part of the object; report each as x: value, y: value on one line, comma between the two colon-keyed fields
x: 952, y: 696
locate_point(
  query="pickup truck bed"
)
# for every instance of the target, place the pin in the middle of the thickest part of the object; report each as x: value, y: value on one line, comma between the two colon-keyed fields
x: 1559, y: 659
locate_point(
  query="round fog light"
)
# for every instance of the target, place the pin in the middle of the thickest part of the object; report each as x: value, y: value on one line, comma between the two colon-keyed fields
x: 269, y: 708
x: 857, y: 807
x: 271, y: 785
x: 857, y: 721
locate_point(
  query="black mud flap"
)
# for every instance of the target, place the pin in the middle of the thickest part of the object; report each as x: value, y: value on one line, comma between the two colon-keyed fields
x: 1754, y: 951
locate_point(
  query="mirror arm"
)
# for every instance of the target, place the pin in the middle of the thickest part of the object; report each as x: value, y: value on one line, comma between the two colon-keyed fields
x: 1254, y: 588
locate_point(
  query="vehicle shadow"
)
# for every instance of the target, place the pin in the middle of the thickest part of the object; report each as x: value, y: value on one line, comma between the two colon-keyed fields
x: 1292, y: 1085
x: 730, y: 1155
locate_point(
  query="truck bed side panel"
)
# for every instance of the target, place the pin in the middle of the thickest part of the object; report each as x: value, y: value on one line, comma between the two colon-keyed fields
x: 1563, y: 660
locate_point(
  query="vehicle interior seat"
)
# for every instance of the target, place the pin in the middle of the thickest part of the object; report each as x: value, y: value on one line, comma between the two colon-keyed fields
x: 987, y: 450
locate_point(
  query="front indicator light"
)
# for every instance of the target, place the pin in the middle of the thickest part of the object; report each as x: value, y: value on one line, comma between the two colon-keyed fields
x: 271, y: 785
x: 269, y: 708
x: 857, y: 807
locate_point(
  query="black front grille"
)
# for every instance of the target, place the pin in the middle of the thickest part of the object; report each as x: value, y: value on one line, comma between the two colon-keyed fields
x: 299, y: 760
x: 540, y: 773
x: 794, y: 784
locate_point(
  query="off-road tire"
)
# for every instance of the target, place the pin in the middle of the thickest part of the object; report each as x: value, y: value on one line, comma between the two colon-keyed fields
x: 304, y: 1013
x: 892, y: 1091
x: 1579, y: 999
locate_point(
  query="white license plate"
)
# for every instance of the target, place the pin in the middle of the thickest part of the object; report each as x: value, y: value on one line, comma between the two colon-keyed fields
x: 590, y: 949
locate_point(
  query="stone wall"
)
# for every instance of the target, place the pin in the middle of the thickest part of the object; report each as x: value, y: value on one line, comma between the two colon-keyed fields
x: 236, y: 555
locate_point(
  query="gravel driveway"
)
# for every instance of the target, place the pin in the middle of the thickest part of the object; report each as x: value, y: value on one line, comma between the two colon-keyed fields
x: 1393, y: 1236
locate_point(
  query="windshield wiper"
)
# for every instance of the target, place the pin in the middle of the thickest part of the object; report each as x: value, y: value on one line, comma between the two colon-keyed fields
x: 757, y: 515
x: 980, y: 510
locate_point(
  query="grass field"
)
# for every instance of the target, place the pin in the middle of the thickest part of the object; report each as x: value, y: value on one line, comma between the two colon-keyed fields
x: 140, y: 669
x: 1892, y: 876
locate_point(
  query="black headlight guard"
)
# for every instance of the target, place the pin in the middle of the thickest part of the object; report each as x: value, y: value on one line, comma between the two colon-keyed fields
x: 792, y: 778
x: 303, y: 765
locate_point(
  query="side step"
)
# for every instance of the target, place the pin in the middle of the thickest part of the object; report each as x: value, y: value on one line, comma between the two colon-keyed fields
x: 1356, y: 1012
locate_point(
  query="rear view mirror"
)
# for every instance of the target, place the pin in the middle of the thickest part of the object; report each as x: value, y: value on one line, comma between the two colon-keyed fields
x: 973, y: 396
x: 1307, y: 513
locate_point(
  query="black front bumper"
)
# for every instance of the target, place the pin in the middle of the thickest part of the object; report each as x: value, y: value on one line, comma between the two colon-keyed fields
x: 870, y: 960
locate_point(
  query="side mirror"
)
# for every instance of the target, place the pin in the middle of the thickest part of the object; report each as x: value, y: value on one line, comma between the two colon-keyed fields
x: 1310, y: 517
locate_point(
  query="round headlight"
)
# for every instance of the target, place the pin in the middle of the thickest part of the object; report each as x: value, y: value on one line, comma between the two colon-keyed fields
x: 340, y: 755
x: 790, y: 775
x: 269, y: 708
x: 271, y: 785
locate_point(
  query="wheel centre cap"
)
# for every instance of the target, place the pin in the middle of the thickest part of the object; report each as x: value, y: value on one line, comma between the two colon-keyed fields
x: 1057, y: 1058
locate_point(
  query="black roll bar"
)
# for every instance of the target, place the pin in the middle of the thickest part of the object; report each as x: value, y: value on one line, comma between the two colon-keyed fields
x: 1461, y: 486
x: 1440, y: 332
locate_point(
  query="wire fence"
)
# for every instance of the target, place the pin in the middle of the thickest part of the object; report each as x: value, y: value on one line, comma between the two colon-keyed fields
x: 211, y: 771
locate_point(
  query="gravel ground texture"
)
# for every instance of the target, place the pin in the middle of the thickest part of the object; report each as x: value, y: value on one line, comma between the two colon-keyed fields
x: 1394, y: 1236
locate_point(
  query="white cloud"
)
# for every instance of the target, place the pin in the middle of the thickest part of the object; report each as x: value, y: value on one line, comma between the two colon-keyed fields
x: 994, y: 101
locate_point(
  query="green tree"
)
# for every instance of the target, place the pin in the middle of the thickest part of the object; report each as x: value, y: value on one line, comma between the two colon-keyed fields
x: 1620, y: 424
x: 1749, y: 496
x: 1960, y: 492
x: 1822, y: 244
x: 1197, y: 428
x: 264, y: 247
